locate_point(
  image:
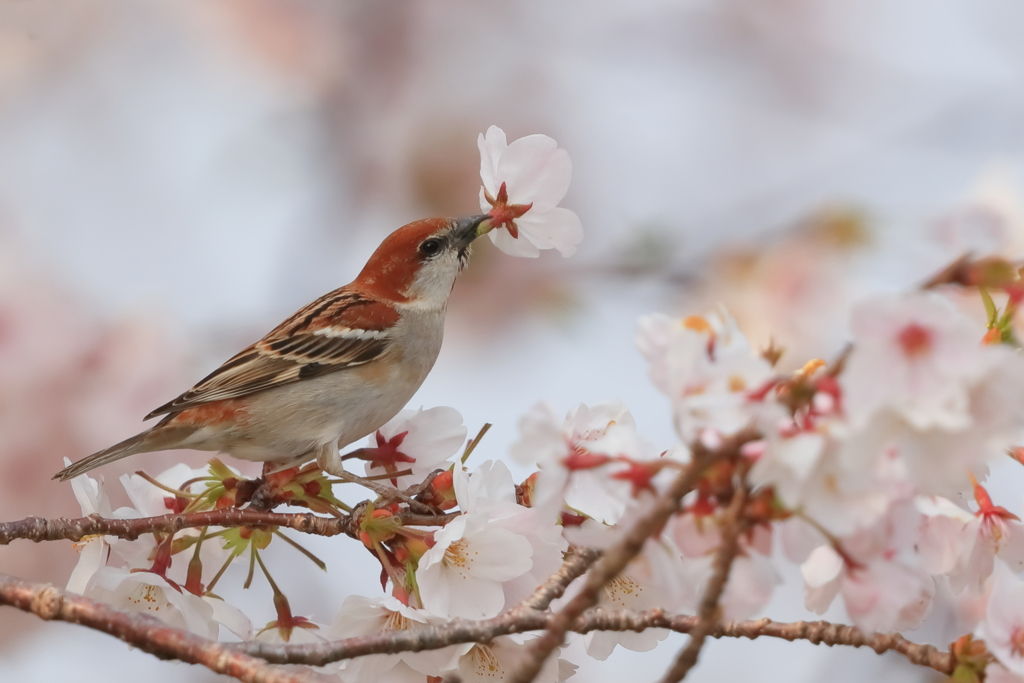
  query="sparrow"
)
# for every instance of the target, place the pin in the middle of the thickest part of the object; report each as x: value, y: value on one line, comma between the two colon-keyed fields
x: 332, y: 373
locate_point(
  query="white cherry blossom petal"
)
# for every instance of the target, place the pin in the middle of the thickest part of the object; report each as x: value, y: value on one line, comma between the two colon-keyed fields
x: 462, y: 574
x: 523, y: 248
x: 536, y: 175
x: 1003, y: 627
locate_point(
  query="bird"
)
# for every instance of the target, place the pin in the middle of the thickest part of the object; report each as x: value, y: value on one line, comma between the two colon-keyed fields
x: 332, y: 373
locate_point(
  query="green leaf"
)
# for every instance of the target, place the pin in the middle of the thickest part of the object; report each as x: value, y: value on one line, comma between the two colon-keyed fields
x: 990, y: 306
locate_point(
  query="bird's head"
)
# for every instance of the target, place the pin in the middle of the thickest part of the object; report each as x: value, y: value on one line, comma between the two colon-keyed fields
x: 420, y: 261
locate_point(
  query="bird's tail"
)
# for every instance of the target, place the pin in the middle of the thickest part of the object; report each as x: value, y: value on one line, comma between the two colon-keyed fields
x: 149, y: 440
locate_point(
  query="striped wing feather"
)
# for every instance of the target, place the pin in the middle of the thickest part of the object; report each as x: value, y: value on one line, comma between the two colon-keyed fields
x: 340, y: 330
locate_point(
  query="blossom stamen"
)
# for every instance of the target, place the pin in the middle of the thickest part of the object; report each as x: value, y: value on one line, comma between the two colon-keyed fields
x: 486, y: 663
x: 456, y: 555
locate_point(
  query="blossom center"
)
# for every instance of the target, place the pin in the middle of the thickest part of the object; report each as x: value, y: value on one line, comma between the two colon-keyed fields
x: 396, y: 621
x: 84, y: 541
x: 150, y: 598
x: 455, y: 555
x: 486, y: 664
x: 737, y: 383
x: 915, y: 340
x: 621, y: 589
x: 503, y: 214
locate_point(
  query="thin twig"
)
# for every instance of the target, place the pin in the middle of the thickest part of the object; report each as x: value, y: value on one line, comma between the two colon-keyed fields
x: 577, y: 562
x: 708, y: 612
x: 385, y: 491
x: 144, y: 632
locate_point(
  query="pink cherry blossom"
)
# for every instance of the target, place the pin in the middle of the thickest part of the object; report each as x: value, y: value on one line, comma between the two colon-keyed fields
x: 919, y: 383
x: 575, y: 456
x: 657, y: 578
x: 418, y: 440
x: 523, y: 183
x: 752, y: 578
x: 706, y: 368
x: 845, y: 482
x: 752, y: 581
x: 494, y: 661
x: 964, y: 546
x: 915, y: 354
x: 875, y: 571
x: 1003, y: 627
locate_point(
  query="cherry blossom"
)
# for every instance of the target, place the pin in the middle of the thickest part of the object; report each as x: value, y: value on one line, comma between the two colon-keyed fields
x: 752, y: 578
x: 579, y: 455
x: 494, y: 661
x: 490, y: 490
x: 752, y: 581
x: 844, y: 482
x: 523, y: 183
x: 706, y: 368
x: 418, y: 440
x: 875, y: 571
x: 1003, y: 627
x: 917, y: 355
x: 964, y: 546
x: 93, y: 551
x: 657, y: 578
x: 361, y: 616
x: 153, y: 594
x: 463, y: 573
x: 920, y: 383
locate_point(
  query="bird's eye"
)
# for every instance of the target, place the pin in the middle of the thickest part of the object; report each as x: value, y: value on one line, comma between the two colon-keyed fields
x: 431, y: 247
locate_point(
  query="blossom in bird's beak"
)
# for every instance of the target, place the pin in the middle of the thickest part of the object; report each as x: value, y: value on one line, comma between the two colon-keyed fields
x: 523, y: 183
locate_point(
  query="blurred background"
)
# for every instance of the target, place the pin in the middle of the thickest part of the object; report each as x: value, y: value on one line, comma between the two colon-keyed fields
x: 178, y: 176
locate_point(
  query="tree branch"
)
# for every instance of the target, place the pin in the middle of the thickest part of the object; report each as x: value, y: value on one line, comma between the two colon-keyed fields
x: 38, y: 529
x: 576, y: 564
x: 238, y: 659
x: 144, y: 632
x: 708, y: 612
x: 465, y: 631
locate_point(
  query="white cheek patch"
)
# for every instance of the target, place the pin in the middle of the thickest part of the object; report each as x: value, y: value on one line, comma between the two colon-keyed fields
x: 350, y: 333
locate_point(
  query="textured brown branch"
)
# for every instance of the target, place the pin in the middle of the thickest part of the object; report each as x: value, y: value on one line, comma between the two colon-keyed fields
x: 576, y: 564
x: 238, y: 659
x: 38, y: 529
x: 144, y: 632
x: 708, y: 611
x: 465, y: 631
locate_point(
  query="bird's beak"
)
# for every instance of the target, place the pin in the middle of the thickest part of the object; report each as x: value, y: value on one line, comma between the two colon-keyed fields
x: 466, y: 229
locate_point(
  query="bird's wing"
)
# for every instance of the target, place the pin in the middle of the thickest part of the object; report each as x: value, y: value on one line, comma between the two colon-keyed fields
x: 339, y: 330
